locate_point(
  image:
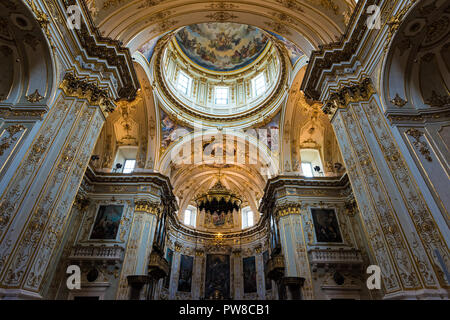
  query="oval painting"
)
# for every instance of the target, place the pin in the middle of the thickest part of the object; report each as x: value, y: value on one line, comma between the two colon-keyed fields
x: 221, y: 46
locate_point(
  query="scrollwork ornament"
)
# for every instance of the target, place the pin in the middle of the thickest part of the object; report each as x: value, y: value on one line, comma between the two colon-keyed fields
x: 421, y: 146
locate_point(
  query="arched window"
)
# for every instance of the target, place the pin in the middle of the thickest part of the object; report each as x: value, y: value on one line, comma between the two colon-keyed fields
x: 190, y: 216
x: 311, y: 163
x: 247, y: 218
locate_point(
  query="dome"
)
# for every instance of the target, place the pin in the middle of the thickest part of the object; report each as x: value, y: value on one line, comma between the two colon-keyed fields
x: 220, y: 73
x: 221, y: 46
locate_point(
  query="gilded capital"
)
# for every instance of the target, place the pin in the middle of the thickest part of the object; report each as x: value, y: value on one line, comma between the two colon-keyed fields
x: 340, y: 99
x: 83, y: 89
x: 146, y: 206
x: 287, y: 208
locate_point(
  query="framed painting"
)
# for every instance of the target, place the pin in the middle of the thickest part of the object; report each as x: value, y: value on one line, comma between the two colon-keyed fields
x: 185, y: 279
x: 249, y: 268
x: 217, y: 278
x: 326, y: 225
x: 268, y: 281
x: 107, y: 222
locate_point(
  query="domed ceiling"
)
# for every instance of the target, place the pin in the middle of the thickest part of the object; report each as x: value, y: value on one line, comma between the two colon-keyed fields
x: 222, y: 47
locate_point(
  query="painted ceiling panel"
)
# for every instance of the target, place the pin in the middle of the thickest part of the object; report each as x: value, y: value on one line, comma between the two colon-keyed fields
x: 222, y: 46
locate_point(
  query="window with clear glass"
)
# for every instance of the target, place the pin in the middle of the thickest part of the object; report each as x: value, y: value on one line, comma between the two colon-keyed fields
x: 247, y: 218
x: 183, y: 82
x: 221, y: 96
x: 307, y: 169
x: 189, y: 217
x: 259, y: 85
x: 128, y: 166
x: 311, y: 163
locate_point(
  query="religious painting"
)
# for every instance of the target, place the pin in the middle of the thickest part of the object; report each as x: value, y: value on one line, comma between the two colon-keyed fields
x: 148, y: 48
x: 107, y: 222
x: 293, y: 51
x: 171, y: 131
x: 219, y: 218
x: 249, y: 268
x: 217, y: 282
x: 326, y: 225
x: 169, y: 258
x: 221, y: 46
x: 268, y: 281
x: 185, y: 279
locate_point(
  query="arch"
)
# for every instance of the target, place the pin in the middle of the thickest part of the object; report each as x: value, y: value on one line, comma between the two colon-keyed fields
x: 304, y: 125
x: 190, y: 179
x: 304, y: 23
x: 416, y: 68
x: 26, y: 61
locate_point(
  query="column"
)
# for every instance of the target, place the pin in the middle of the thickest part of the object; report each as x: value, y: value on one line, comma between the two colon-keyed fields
x: 402, y: 226
x: 294, y: 247
x: 237, y: 275
x: 139, y: 245
x: 197, y: 279
x: 260, y: 277
x: 175, y: 274
x: 35, y: 205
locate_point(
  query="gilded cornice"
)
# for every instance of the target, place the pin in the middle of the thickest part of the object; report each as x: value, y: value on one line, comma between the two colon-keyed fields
x: 337, y: 52
x: 250, y: 234
x: 419, y: 116
x: 163, y: 182
x: 340, y: 99
x: 297, y: 182
x: 109, y: 50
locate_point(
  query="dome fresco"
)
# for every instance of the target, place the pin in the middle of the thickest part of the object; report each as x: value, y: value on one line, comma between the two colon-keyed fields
x: 222, y: 46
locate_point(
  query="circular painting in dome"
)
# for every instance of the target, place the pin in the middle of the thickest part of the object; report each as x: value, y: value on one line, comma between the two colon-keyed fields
x: 221, y: 46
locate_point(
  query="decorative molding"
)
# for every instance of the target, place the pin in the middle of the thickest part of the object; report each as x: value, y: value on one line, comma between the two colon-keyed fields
x: 82, y: 89
x: 111, y: 51
x: 147, y: 207
x: 43, y: 21
x: 34, y: 97
x: 437, y: 100
x: 421, y: 146
x: 336, y: 52
x: 6, y: 142
x: 398, y: 101
x: 395, y: 22
x: 358, y: 92
x: 221, y: 16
